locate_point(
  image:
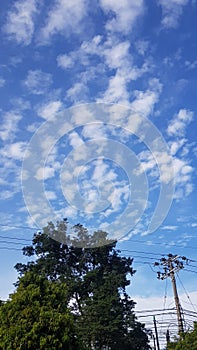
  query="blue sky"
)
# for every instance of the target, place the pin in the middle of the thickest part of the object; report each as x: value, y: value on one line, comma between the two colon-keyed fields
x: 138, y: 56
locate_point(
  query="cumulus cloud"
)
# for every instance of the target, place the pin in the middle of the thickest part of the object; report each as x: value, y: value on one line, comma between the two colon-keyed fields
x: 65, y: 61
x: 125, y: 13
x: 38, y: 82
x: 20, y: 21
x: 64, y: 17
x: 77, y: 92
x: 178, y: 124
x: 15, y: 150
x: 114, y: 63
x: 45, y: 173
x: 145, y: 100
x: 50, y: 109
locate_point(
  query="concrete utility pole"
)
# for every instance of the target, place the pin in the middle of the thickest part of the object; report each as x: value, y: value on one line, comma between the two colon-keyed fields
x: 171, y: 265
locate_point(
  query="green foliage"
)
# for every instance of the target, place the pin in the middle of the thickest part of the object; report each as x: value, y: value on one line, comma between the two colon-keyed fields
x: 91, y: 280
x: 187, y: 341
x: 37, y: 317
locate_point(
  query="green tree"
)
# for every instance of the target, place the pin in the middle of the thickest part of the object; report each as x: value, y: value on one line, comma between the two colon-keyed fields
x: 96, y: 281
x: 37, y: 316
x: 186, y: 341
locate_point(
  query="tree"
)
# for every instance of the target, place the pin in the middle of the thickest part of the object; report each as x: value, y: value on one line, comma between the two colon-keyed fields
x: 95, y: 278
x: 186, y: 341
x: 37, y: 316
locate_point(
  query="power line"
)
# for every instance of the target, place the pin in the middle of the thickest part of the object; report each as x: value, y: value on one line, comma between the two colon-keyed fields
x: 190, y: 271
x: 8, y: 242
x: 161, y: 244
x: 19, y: 226
x: 141, y: 252
x: 16, y: 238
x: 165, y: 297
x: 186, y: 292
x: 10, y: 248
x: 155, y: 310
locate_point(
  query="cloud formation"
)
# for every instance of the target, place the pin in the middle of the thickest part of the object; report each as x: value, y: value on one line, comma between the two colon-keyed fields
x: 20, y: 21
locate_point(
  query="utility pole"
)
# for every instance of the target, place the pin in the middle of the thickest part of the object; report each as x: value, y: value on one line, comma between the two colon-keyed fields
x: 171, y: 265
x: 156, y: 333
x: 154, y: 342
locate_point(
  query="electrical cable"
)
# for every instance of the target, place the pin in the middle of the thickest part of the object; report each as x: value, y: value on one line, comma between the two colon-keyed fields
x: 164, y: 303
x: 186, y: 292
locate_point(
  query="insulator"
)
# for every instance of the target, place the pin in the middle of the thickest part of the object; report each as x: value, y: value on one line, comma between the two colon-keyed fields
x: 163, y: 259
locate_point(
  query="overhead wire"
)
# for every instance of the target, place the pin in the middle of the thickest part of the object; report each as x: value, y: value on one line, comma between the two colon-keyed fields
x: 20, y: 226
x: 15, y: 238
x: 148, y: 243
x: 186, y: 292
x: 164, y: 303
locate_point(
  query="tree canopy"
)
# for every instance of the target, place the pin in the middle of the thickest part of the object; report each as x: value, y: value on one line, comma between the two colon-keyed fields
x: 187, y: 340
x: 70, y: 297
x: 37, y: 316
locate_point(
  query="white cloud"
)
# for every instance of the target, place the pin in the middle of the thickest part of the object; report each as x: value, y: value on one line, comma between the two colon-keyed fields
x: 176, y: 145
x: 9, y: 170
x: 78, y: 92
x: 179, y: 149
x: 50, y: 109
x: 169, y: 228
x: 117, y: 89
x: 177, y: 126
x: 20, y: 104
x: 2, y: 82
x: 145, y: 100
x: 9, y: 127
x: 171, y: 12
x: 125, y: 12
x: 116, y: 55
x: 64, y: 17
x: 142, y: 46
x: 159, y: 169
x: 65, y: 61
x: 15, y: 150
x: 111, y: 55
x: 45, y: 173
x: 38, y: 82
x: 191, y: 65
x: 75, y: 140
x: 94, y: 130
x: 20, y: 21
x: 51, y: 195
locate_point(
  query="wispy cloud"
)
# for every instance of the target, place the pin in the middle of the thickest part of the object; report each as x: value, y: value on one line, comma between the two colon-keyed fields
x: 9, y: 126
x: 20, y: 21
x: 169, y: 228
x: 2, y: 82
x: 38, y: 82
x: 171, y: 12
